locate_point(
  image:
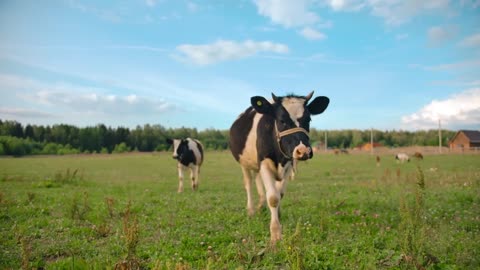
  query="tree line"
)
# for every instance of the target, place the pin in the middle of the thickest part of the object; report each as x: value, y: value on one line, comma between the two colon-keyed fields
x: 17, y: 139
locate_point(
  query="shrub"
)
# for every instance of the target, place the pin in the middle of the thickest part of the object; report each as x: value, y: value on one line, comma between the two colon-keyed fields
x: 121, y: 148
x: 67, y: 150
x: 51, y: 149
x: 15, y: 146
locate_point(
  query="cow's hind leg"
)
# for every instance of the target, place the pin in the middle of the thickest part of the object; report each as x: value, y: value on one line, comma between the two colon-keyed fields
x: 180, y: 178
x: 194, y: 172
x: 247, y: 182
x: 260, y: 191
x: 281, y: 186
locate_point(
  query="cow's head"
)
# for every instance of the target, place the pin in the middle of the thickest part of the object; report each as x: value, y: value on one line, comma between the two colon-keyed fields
x: 180, y: 146
x: 292, y: 121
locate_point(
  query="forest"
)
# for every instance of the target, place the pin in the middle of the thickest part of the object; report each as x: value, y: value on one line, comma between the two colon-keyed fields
x: 17, y: 139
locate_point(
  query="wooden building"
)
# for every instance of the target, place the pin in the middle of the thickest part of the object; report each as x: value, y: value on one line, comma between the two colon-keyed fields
x: 368, y: 146
x: 465, y: 139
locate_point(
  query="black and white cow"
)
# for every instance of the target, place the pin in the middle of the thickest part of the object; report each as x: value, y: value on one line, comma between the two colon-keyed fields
x: 189, y: 153
x: 266, y: 140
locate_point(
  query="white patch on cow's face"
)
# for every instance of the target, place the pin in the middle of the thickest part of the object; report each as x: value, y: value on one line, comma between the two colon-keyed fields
x: 176, y: 143
x: 295, y: 107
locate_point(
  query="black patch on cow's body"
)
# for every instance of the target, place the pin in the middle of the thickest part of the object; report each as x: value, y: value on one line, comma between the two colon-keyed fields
x: 239, y: 132
x: 188, y: 157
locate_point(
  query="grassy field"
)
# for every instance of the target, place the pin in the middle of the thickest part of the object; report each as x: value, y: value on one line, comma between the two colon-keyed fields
x: 341, y: 212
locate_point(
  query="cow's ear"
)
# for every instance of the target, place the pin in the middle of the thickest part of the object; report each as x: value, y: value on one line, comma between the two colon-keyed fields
x: 318, y: 105
x: 169, y: 141
x: 261, y: 105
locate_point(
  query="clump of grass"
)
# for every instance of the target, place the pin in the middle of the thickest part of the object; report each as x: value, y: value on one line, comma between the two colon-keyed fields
x: 110, y: 202
x: 130, y: 234
x: 159, y: 265
x: 102, y: 230
x: 59, y: 179
x: 412, y: 228
x: 26, y: 250
x: 30, y: 197
x: 294, y: 247
x: 78, y: 209
x: 249, y: 252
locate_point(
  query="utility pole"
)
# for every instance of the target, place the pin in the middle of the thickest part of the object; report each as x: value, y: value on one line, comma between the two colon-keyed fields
x: 371, y: 141
x: 439, y: 136
x: 326, y: 142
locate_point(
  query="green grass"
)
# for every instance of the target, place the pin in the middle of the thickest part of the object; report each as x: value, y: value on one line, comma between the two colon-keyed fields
x: 341, y: 212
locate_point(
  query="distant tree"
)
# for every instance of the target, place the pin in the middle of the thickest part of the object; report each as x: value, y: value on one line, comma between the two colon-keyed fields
x: 18, y: 130
x: 29, y: 132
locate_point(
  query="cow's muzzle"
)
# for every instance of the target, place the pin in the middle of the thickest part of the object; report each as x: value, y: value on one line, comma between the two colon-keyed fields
x: 302, y: 152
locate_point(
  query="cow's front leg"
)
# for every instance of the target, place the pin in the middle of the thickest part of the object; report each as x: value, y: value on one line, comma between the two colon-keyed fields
x: 267, y: 169
x: 180, y: 178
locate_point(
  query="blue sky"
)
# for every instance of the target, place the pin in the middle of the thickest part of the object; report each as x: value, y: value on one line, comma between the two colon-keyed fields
x: 391, y: 64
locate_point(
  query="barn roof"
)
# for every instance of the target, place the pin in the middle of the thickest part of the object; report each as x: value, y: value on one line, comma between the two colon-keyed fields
x: 472, y: 135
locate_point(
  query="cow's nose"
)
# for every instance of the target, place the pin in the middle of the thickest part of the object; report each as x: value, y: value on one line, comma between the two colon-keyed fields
x: 302, y: 152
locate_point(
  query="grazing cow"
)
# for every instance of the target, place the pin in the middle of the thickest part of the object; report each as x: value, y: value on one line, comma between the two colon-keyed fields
x: 267, y: 139
x: 402, y: 157
x: 418, y: 155
x: 189, y: 153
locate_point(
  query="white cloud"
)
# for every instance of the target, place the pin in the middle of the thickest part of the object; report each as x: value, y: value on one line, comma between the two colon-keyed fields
x: 287, y: 13
x: 471, y: 41
x: 470, y: 3
x: 14, y: 113
x: 293, y: 14
x: 192, y: 7
x: 104, y: 14
x: 67, y: 98
x: 467, y: 64
x: 312, y: 34
x: 401, y: 36
x: 394, y: 12
x: 458, y: 111
x: 346, y: 5
x: 151, y: 3
x: 438, y: 35
x: 224, y: 50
